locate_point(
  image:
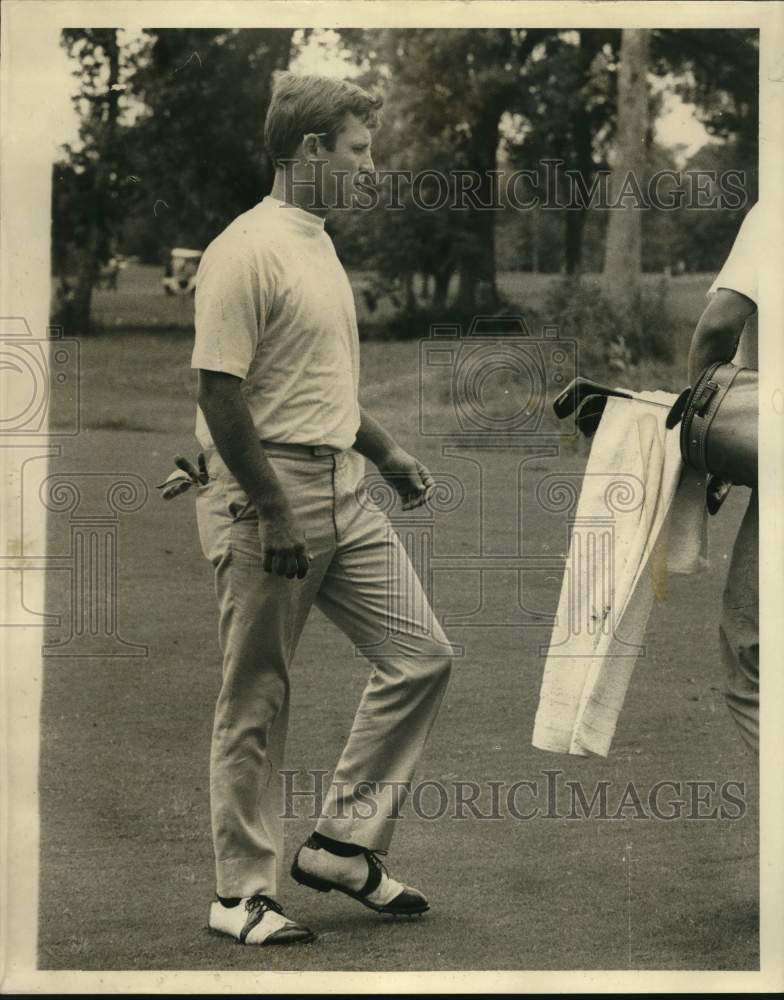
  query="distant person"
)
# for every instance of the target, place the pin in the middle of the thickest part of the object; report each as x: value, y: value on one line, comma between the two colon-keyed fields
x: 108, y: 274
x: 727, y: 331
x: 286, y: 523
x: 179, y: 276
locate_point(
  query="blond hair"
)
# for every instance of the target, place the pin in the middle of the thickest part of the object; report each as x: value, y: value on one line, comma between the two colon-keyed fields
x: 313, y: 104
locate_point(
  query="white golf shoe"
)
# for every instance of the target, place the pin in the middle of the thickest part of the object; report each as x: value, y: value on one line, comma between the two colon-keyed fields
x: 257, y: 919
x: 362, y: 876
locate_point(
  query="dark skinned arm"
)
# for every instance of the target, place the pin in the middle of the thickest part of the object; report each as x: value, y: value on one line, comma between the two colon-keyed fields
x: 718, y: 330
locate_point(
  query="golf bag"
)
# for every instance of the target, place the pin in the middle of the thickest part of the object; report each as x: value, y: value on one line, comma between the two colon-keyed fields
x: 719, y: 424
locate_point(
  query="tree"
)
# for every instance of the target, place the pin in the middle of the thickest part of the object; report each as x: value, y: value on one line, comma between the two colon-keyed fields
x: 198, y: 146
x: 702, y: 239
x: 90, y: 186
x: 567, y: 114
x: 623, y: 250
x: 590, y: 112
x: 718, y: 72
x: 451, y: 125
x: 192, y: 159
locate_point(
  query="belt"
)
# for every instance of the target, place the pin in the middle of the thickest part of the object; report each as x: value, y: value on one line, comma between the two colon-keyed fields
x: 303, y: 449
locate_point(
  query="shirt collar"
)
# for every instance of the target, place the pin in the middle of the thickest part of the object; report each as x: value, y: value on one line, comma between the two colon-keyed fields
x: 306, y: 222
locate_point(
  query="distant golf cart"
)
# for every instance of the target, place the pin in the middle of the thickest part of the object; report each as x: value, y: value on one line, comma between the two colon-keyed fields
x: 180, y: 275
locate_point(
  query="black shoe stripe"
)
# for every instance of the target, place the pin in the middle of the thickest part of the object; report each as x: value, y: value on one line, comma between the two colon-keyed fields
x: 253, y: 921
x: 373, y: 882
x: 373, y: 879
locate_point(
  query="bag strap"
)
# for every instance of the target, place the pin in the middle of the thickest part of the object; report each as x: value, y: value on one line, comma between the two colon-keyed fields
x: 707, y: 390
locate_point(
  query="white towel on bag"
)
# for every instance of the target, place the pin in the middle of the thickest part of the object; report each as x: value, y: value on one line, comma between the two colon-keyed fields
x: 609, y: 586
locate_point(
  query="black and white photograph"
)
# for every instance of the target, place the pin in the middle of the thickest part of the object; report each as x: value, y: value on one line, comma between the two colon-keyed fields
x: 391, y: 536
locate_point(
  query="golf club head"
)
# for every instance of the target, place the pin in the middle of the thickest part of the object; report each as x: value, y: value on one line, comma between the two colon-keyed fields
x: 678, y: 407
x: 590, y: 414
x: 577, y: 391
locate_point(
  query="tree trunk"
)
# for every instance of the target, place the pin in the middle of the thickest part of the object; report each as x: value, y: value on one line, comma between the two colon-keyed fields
x: 535, y: 241
x: 623, y: 247
x: 478, y: 264
x: 575, y: 217
x: 575, y: 226
x: 408, y: 284
x: 468, y: 280
x: 79, y: 314
x: 582, y: 138
x: 106, y: 112
x: 441, y: 281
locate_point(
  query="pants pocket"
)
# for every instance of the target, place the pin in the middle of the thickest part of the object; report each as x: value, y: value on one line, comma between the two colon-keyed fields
x: 238, y: 505
x: 211, y: 521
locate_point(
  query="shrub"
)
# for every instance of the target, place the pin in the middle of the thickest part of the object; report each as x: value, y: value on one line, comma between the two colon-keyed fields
x: 607, y: 339
x: 415, y: 323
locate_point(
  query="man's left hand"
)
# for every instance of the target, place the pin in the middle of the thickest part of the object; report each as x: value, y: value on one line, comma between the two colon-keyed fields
x: 409, y: 477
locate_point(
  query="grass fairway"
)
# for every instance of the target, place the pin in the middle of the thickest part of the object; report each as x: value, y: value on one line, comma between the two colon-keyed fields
x: 126, y: 861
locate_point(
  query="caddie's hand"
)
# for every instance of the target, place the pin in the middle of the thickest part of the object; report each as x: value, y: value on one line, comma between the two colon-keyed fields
x: 283, y: 547
x: 409, y: 477
x: 185, y: 476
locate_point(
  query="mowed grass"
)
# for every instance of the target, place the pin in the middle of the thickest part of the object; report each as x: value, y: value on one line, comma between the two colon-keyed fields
x: 126, y: 875
x: 157, y: 331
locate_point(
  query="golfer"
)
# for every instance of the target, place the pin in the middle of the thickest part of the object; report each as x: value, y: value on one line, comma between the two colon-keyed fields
x: 727, y: 331
x: 286, y: 522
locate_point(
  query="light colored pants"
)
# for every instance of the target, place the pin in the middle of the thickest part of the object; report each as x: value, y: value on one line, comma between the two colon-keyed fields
x: 361, y: 578
x: 739, y: 629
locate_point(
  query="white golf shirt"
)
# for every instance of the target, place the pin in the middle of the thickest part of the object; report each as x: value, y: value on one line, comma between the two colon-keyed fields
x: 739, y: 274
x: 275, y: 308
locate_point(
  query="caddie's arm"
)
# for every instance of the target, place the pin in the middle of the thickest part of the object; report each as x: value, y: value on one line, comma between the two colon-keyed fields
x: 403, y: 471
x: 231, y: 426
x: 718, y: 330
